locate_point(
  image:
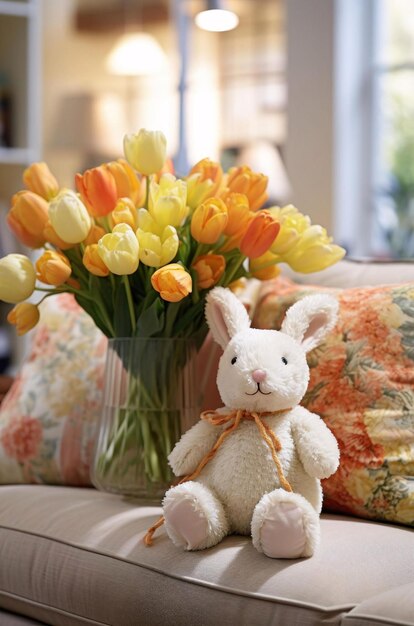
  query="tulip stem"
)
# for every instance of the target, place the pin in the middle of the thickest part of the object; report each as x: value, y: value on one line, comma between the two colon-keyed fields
x: 50, y: 292
x: 147, y: 187
x: 130, y: 302
x: 229, y: 279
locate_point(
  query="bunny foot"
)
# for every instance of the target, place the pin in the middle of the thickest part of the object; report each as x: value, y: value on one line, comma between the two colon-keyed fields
x: 194, y: 517
x: 285, y: 525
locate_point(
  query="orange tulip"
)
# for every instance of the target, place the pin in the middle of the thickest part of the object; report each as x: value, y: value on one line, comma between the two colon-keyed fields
x: 209, y: 268
x: 128, y: 185
x: 238, y: 212
x: 240, y: 217
x: 203, y: 181
x: 125, y: 213
x: 93, y: 262
x: 98, y: 190
x: 39, y: 179
x: 95, y: 234
x: 27, y: 218
x: 53, y: 268
x: 24, y: 316
x: 172, y: 282
x: 243, y: 180
x: 52, y: 237
x: 259, y: 235
x: 209, y: 170
x: 209, y: 220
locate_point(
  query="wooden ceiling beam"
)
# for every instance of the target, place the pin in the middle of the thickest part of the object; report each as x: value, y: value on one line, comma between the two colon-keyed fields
x: 112, y: 18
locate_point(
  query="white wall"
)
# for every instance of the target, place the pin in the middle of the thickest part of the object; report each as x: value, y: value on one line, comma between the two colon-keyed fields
x: 310, y: 79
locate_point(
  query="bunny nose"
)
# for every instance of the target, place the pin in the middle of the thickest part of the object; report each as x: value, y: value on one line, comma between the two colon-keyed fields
x: 258, y: 376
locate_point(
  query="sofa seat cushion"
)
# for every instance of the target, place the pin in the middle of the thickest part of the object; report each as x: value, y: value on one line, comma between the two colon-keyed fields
x: 72, y: 556
x: 381, y: 609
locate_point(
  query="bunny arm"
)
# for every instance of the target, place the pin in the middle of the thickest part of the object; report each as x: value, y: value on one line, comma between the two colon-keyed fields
x: 192, y: 447
x: 316, y: 445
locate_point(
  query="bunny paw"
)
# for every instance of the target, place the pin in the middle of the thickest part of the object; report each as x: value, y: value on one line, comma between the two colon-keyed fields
x: 285, y: 526
x: 194, y: 517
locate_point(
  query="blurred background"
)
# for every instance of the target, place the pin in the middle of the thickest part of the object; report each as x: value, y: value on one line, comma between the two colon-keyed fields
x: 317, y: 94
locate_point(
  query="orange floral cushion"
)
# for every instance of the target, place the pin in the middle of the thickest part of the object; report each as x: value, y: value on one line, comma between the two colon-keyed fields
x: 362, y: 385
x: 48, y: 418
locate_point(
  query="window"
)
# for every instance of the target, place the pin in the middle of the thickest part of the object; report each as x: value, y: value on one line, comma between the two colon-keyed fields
x: 393, y: 126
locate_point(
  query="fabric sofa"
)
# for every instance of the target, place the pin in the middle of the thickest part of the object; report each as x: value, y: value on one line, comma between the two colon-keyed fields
x: 71, y: 556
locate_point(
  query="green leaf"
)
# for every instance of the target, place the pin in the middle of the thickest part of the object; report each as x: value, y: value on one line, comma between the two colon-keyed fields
x: 152, y: 320
x: 122, y: 319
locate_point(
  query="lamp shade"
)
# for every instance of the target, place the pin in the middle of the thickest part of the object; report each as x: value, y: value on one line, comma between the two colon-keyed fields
x: 262, y: 156
x: 136, y: 54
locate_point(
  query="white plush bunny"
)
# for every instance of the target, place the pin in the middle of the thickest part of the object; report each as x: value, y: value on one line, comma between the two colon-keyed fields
x: 240, y: 489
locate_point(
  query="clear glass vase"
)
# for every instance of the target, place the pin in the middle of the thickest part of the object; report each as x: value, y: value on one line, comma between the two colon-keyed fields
x: 150, y: 398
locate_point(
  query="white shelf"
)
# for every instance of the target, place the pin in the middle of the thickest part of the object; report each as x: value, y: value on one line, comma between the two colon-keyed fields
x: 19, y: 9
x: 20, y: 60
x: 16, y: 156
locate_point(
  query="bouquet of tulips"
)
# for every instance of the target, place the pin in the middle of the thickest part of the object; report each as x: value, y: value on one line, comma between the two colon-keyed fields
x: 140, y: 248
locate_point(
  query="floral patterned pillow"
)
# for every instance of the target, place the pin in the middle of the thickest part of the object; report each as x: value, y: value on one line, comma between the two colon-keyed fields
x: 362, y: 385
x: 47, y: 419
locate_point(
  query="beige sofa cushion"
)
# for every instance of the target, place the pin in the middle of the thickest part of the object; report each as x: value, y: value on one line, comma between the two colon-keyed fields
x: 354, y: 273
x: 383, y: 608
x: 75, y: 556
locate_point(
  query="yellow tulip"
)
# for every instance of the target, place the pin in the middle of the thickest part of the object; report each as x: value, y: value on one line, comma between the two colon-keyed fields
x: 93, y: 262
x: 147, y: 222
x: 17, y: 278
x: 292, y: 225
x: 24, y: 316
x: 69, y: 217
x: 172, y: 282
x: 119, y: 250
x: 28, y: 217
x: 156, y: 250
x: 198, y: 190
x: 305, y: 247
x: 146, y: 151
x: 243, y: 180
x: 209, y: 220
x: 210, y: 268
x: 313, y: 252
x: 39, y: 179
x: 157, y: 245
x: 124, y: 213
x: 53, y: 268
x: 264, y: 267
x: 203, y: 182
x: 168, y: 201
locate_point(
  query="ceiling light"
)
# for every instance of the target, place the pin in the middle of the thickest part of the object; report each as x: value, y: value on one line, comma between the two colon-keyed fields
x: 216, y: 18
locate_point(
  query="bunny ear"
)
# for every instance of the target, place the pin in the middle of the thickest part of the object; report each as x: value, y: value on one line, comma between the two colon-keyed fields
x: 226, y: 315
x: 310, y: 319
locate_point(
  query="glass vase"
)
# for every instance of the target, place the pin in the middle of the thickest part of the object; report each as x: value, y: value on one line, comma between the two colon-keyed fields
x: 150, y: 399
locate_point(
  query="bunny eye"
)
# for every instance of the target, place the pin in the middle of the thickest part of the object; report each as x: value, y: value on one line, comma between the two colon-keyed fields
x: 284, y: 360
x: 234, y: 359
